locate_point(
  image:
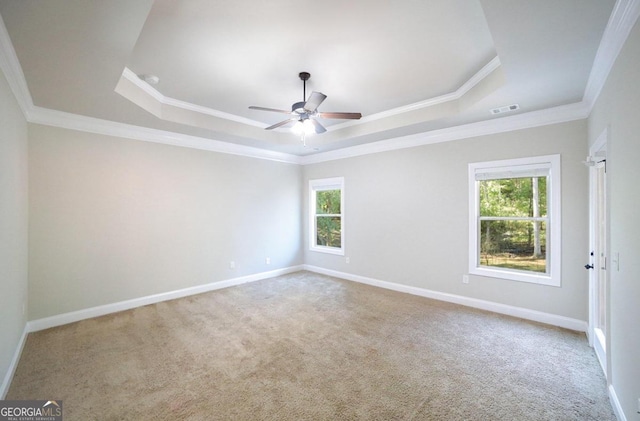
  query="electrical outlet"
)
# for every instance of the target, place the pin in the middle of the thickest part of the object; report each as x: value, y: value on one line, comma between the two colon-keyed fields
x: 232, y: 265
x: 347, y: 260
x: 268, y: 260
x: 465, y: 279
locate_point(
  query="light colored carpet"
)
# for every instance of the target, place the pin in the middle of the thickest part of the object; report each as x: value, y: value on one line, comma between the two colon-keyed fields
x: 309, y: 347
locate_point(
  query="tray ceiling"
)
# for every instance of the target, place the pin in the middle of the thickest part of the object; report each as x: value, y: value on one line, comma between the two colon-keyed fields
x: 409, y: 66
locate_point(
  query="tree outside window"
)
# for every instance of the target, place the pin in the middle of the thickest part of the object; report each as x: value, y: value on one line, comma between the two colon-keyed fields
x: 328, y: 218
x: 514, y: 219
x: 326, y: 229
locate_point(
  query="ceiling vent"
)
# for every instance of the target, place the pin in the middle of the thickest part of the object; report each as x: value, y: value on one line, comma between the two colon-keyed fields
x: 505, y: 109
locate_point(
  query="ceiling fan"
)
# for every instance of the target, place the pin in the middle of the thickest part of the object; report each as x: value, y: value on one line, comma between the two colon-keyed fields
x: 305, y: 112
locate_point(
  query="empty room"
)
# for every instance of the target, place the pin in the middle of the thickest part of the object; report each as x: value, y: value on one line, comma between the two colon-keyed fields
x: 372, y: 210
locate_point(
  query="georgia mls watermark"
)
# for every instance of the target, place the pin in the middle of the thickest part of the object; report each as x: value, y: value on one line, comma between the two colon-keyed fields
x: 33, y: 410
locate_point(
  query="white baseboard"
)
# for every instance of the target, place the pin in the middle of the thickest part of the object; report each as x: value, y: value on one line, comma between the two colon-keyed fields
x: 6, y: 382
x: 523, y: 313
x: 75, y: 316
x: 615, y: 403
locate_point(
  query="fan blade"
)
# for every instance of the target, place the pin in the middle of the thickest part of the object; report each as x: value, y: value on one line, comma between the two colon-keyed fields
x: 315, y: 99
x: 319, y: 127
x: 253, y: 107
x: 348, y: 116
x: 282, y: 123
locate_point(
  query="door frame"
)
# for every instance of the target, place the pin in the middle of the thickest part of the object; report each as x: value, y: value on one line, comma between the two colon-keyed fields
x: 597, y: 153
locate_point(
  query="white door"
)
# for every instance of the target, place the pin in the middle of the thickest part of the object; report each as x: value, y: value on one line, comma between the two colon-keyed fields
x: 598, y: 265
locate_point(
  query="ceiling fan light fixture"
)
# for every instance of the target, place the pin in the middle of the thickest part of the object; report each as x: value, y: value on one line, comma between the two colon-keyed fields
x: 309, y: 128
x: 303, y: 126
x: 305, y: 112
x: 297, y: 128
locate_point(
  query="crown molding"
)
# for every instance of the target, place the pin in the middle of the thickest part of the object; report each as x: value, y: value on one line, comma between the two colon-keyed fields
x: 10, y: 66
x: 48, y: 117
x: 452, y: 96
x: 623, y: 18
x: 129, y: 75
x: 485, y: 71
x: 12, y: 70
x: 44, y: 116
x: 561, y: 114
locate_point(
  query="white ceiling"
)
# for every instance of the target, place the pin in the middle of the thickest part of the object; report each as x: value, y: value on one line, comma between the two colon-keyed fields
x: 408, y: 66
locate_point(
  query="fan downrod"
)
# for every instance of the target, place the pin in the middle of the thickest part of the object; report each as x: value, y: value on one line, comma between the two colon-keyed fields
x: 304, y: 76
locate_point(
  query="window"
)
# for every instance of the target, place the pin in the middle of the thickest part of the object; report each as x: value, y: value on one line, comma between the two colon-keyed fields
x: 514, y: 219
x: 326, y: 222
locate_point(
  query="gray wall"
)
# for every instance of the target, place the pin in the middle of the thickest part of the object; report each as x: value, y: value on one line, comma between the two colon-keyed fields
x: 114, y: 219
x: 618, y: 110
x: 13, y: 225
x: 406, y: 216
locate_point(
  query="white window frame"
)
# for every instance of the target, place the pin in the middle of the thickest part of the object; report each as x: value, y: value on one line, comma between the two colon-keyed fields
x: 511, y: 168
x: 334, y: 183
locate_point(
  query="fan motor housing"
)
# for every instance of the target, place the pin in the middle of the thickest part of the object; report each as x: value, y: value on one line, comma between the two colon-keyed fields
x: 298, y: 107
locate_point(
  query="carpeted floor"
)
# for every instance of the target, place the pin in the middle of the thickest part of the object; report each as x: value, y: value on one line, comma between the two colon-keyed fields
x: 309, y: 347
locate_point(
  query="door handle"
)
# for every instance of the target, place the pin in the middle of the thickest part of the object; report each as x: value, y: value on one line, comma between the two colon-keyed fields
x: 588, y: 267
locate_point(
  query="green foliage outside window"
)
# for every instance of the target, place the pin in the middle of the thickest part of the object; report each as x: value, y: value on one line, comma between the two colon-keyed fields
x: 328, y: 218
x: 328, y: 202
x: 329, y: 232
x: 519, y: 240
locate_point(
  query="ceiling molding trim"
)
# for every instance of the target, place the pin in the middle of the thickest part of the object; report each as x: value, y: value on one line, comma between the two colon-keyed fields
x: 561, y: 114
x: 48, y: 117
x: 12, y: 70
x: 485, y: 71
x: 148, y: 89
x: 165, y: 100
x: 453, y: 96
x: 478, y: 77
x: 209, y: 111
x: 565, y: 113
x: 623, y: 18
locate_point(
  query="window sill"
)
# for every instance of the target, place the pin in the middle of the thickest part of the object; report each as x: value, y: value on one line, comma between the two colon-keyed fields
x: 327, y: 250
x: 516, y: 276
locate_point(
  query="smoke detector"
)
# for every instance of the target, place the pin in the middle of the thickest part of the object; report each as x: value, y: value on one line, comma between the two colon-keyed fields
x: 505, y: 109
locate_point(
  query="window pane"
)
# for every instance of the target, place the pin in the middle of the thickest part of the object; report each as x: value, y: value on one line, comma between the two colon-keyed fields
x: 514, y: 197
x: 517, y: 245
x: 329, y: 231
x: 328, y: 202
